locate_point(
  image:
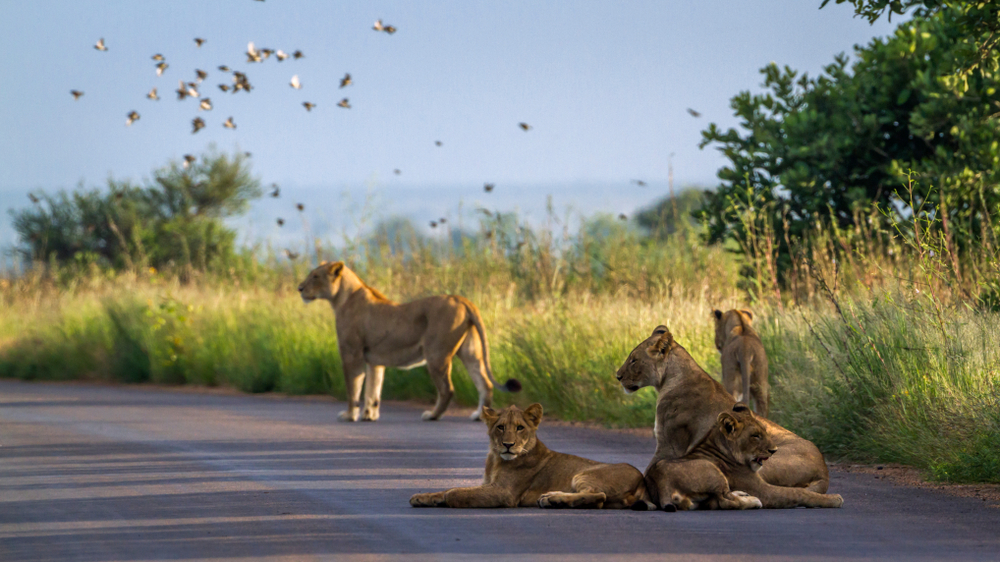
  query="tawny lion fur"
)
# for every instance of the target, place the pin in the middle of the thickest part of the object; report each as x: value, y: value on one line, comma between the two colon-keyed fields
x: 374, y: 332
x: 744, y: 363
x: 522, y: 472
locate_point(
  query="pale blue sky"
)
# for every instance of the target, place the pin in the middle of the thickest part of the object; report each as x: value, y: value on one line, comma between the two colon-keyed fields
x: 605, y: 85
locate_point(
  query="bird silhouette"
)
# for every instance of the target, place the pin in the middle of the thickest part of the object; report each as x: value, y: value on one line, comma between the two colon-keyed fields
x: 277, y: 191
x: 252, y: 54
x: 153, y: 95
x: 198, y: 124
x: 693, y: 113
x: 33, y: 198
x: 623, y: 217
x: 298, y: 55
x: 229, y: 124
x: 157, y: 57
x: 489, y: 187
x: 295, y: 82
x: 280, y: 55
x: 206, y: 104
x: 300, y: 206
x: 308, y: 105
x: 438, y: 143
x: 442, y: 220
x: 100, y: 45
x: 182, y: 90
x: 291, y: 255
x: 188, y: 160
x: 377, y: 27
x: 346, y: 80
x: 223, y: 68
x: 76, y: 94
x: 344, y: 103
x: 397, y: 172
x: 265, y: 53
x: 192, y: 89
x: 224, y: 87
x: 161, y: 68
x: 434, y: 224
x: 201, y: 74
x: 132, y: 118
x: 281, y: 222
x: 390, y: 29
x: 524, y: 126
x: 248, y: 155
x: 199, y: 41
x: 640, y: 183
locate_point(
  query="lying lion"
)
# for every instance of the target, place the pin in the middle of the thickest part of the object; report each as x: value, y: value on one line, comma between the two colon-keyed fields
x: 744, y: 363
x: 688, y: 406
x: 374, y: 333
x: 727, y: 460
x: 522, y: 471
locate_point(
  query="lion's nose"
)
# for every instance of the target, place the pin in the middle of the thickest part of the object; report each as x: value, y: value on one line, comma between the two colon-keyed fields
x: 300, y: 288
x: 507, y: 445
x: 772, y: 450
x: 619, y: 376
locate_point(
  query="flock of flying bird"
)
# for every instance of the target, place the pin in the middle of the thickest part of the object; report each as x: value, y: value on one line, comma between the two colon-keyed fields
x: 240, y: 82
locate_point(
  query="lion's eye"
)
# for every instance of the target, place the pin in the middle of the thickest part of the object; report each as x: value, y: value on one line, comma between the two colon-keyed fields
x: 499, y: 428
x: 520, y: 428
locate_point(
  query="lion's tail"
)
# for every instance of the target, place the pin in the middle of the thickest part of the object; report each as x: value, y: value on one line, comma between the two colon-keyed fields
x: 512, y: 385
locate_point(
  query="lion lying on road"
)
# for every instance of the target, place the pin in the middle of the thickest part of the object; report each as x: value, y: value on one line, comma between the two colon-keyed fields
x: 374, y: 333
x: 727, y: 460
x: 688, y: 405
x: 744, y: 363
x: 522, y: 471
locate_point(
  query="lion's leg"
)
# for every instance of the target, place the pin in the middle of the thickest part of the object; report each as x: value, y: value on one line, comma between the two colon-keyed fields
x: 781, y: 497
x: 476, y: 496
x: 731, y: 379
x: 354, y: 372
x: 441, y: 376
x: 761, y: 393
x: 471, y: 355
x: 578, y: 500
x: 374, y: 374
x: 621, y: 484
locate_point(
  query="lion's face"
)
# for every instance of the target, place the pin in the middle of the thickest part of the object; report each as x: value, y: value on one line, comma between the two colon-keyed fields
x: 642, y: 367
x: 322, y: 282
x: 726, y: 321
x: 511, y: 430
x: 746, y: 437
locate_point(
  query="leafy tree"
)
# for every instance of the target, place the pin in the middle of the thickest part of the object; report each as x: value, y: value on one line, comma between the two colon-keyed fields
x: 175, y: 219
x: 832, y: 148
x: 671, y: 214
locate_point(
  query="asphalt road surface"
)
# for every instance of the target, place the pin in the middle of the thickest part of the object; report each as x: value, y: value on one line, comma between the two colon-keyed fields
x: 131, y: 473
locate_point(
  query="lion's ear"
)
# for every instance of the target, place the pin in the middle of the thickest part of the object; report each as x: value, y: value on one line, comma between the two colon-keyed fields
x: 533, y: 414
x: 748, y: 313
x: 660, y: 330
x: 730, y: 425
x: 741, y: 407
x: 334, y: 269
x: 661, y: 345
x: 717, y: 313
x: 489, y: 415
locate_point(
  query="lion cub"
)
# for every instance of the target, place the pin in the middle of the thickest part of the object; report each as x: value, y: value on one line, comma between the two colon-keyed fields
x: 744, y: 363
x: 522, y: 471
x: 727, y: 460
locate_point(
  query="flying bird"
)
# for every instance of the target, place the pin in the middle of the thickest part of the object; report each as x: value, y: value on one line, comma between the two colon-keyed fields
x: 280, y: 55
x: 132, y: 118
x: 442, y: 220
x: 182, y: 90
x: 295, y: 82
x: 640, y: 183
x: 100, y: 45
x: 206, y: 104
x: 188, y: 160
x: 153, y: 95
x: 434, y: 224
x: 397, y: 172
x: 300, y: 206
x: 33, y: 198
x: 489, y: 187
x: 693, y: 113
x: 344, y: 103
x: 265, y: 53
x: 157, y: 57
x: 201, y: 74
x: 76, y: 94
x: 248, y: 155
x: 309, y: 106
x: 224, y: 87
x: 291, y: 255
x: 161, y: 68
x: 298, y: 55
x: 524, y: 126
x: 229, y: 124
x: 281, y: 222
x: 252, y: 54
x: 277, y: 191
x: 390, y: 29
x: 192, y: 89
x: 346, y: 80
x: 437, y: 143
x: 199, y: 41
x: 378, y: 26
x: 223, y: 68
x: 198, y: 123
x: 623, y: 217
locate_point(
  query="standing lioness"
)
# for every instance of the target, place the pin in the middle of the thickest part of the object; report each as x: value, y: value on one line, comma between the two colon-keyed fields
x: 374, y: 333
x: 522, y: 471
x: 744, y: 363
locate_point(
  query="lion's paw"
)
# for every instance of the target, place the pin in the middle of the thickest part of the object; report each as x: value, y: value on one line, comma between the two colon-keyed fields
x: 749, y: 502
x: 547, y: 500
x: 371, y: 414
x: 348, y: 416
x: 423, y: 500
x: 477, y: 415
x: 838, y: 500
x: 428, y: 416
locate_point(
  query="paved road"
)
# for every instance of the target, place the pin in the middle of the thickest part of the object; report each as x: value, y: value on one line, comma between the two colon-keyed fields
x: 126, y: 473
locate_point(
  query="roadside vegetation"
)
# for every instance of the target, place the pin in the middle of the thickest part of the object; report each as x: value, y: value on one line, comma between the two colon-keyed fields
x: 858, y: 217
